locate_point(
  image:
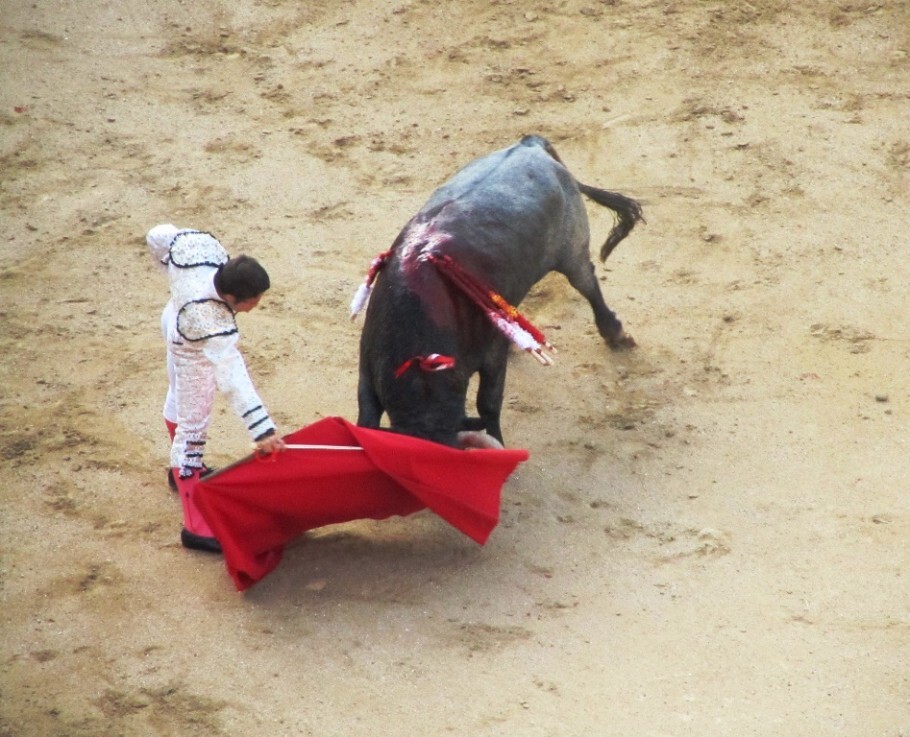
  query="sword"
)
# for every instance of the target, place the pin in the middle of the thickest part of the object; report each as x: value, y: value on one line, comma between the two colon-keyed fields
x: 291, y: 446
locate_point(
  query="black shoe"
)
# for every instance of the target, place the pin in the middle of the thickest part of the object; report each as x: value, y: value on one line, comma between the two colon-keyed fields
x: 172, y: 483
x: 197, y: 542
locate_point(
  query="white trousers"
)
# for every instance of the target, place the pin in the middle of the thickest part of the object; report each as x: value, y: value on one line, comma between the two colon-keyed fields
x: 190, y: 396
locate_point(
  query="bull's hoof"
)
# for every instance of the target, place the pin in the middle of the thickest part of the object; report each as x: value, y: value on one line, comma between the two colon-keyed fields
x: 622, y: 342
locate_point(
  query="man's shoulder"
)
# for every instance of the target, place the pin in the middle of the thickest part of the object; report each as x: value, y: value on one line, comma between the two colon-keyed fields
x: 191, y: 248
x: 200, y: 319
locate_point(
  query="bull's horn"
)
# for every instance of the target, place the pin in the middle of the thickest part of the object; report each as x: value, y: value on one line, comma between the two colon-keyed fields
x: 476, y: 439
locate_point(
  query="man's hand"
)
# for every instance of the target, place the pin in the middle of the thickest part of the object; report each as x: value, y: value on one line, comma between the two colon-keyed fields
x: 269, y: 444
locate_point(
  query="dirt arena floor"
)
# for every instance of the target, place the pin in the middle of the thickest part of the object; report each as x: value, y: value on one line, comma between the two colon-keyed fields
x: 712, y: 534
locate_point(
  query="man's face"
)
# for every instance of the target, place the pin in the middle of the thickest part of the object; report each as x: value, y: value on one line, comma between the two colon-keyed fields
x: 244, y: 305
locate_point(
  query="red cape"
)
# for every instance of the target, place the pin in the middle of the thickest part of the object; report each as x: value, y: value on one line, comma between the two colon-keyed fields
x: 256, y: 506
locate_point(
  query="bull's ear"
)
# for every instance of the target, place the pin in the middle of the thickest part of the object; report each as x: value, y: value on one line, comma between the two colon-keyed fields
x: 477, y: 439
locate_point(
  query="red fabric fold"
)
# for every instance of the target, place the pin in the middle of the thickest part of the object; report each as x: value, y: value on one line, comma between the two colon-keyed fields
x: 256, y: 506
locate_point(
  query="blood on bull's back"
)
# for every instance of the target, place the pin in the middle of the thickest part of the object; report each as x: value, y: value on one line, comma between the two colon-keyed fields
x: 443, y: 298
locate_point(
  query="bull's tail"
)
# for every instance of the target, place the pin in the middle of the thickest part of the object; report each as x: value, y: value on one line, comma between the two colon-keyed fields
x: 628, y: 213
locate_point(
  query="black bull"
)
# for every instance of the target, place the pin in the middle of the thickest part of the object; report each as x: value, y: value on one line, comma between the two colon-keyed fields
x: 508, y: 219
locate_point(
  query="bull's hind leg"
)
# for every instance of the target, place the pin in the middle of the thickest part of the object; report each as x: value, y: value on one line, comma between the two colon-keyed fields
x: 584, y: 280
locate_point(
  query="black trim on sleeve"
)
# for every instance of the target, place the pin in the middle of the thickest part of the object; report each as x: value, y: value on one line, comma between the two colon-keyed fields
x: 258, y: 422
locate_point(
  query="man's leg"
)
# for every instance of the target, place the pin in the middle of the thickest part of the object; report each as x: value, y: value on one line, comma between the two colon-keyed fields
x: 171, y: 431
x: 170, y: 401
x: 194, y: 387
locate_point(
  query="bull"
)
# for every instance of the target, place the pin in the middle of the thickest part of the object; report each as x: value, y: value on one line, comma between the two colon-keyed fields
x: 442, y: 300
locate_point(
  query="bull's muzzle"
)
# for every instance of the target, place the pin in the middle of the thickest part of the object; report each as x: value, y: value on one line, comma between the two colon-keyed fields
x: 477, y: 439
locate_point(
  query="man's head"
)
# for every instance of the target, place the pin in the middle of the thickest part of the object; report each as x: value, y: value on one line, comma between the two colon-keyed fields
x: 241, y: 282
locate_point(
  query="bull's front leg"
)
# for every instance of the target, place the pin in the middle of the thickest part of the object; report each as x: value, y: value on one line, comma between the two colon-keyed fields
x: 491, y: 390
x: 369, y: 408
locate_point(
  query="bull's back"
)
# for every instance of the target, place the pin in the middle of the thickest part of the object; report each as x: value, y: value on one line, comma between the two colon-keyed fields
x: 516, y: 206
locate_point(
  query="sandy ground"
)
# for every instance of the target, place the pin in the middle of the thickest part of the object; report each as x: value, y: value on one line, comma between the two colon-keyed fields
x: 711, y: 535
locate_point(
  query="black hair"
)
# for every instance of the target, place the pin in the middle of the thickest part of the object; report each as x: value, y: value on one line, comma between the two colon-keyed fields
x: 243, y: 277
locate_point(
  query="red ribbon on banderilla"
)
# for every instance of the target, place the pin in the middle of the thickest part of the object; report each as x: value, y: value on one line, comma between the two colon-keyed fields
x: 507, y: 319
x: 362, y: 295
x: 504, y: 316
x: 433, y: 362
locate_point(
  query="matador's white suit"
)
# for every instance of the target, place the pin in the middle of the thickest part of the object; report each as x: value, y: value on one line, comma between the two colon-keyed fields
x: 202, y: 353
